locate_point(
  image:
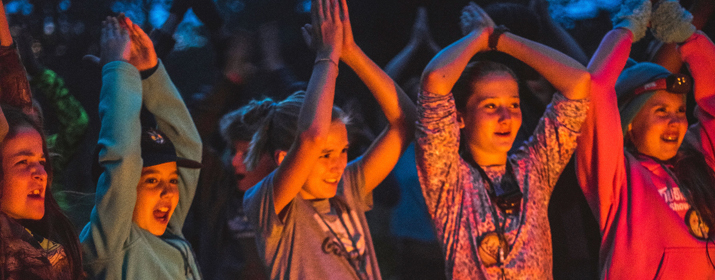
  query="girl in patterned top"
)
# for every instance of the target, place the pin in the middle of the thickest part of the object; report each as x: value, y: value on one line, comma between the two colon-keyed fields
x: 37, y: 241
x: 489, y: 208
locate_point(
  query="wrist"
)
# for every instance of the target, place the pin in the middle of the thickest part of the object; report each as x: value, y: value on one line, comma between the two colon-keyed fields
x: 330, y: 55
x: 494, y: 36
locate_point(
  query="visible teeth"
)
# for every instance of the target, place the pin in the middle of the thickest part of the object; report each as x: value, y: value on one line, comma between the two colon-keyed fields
x: 164, y: 209
x: 34, y: 192
x: 331, y: 180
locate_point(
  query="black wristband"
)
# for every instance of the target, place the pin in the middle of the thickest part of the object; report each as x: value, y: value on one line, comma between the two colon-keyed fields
x: 494, y: 37
x: 148, y: 72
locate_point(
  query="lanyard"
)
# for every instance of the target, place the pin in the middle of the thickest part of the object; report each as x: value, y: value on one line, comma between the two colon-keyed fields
x: 356, y: 260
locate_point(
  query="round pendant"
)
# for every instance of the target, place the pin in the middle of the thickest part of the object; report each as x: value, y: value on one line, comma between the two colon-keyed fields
x: 696, y: 226
x: 493, y: 249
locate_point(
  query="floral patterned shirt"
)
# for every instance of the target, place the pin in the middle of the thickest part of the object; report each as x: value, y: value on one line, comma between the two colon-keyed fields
x: 460, y: 206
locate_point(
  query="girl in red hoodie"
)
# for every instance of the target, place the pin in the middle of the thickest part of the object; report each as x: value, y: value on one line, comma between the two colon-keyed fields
x: 653, y: 199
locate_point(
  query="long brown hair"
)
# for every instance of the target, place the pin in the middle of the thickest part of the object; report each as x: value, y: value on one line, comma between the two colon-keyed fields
x: 697, y: 183
x: 54, y: 225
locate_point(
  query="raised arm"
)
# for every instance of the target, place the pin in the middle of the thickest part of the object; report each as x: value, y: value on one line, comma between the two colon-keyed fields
x: 567, y: 75
x: 399, y: 110
x: 120, y: 153
x: 5, y: 36
x: 163, y: 100
x: 699, y: 54
x: 599, y: 155
x: 314, y: 119
x: 444, y: 69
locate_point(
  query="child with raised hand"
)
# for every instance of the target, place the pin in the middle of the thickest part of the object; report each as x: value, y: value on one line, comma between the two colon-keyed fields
x: 489, y: 208
x: 37, y: 241
x: 148, y: 176
x: 647, y: 177
x: 309, y: 213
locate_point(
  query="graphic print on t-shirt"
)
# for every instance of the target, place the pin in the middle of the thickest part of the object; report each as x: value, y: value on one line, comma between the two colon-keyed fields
x: 675, y: 199
x: 355, y: 236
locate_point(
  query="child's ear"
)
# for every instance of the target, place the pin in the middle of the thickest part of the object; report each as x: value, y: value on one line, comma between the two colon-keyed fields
x: 278, y: 156
x: 460, y: 120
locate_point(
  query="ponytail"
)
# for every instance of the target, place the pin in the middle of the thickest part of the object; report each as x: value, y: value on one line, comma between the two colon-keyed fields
x: 278, y: 125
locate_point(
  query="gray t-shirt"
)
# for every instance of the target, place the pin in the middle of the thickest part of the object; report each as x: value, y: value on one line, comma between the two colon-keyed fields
x: 301, y: 246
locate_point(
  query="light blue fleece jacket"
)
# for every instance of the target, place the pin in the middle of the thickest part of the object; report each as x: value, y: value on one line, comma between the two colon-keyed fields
x: 113, y: 246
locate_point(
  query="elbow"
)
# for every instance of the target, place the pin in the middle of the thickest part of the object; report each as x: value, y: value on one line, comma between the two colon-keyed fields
x: 581, y: 86
x: 431, y: 77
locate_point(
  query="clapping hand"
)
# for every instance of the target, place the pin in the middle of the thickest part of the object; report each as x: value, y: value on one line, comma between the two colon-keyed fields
x: 325, y: 34
x: 115, y: 43
x: 474, y: 18
x: 143, y: 56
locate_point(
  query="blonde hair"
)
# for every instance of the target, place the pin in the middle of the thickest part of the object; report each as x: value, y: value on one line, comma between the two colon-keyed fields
x: 278, y: 127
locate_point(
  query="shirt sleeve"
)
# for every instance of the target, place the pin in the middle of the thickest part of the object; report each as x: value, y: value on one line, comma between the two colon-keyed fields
x: 354, y: 182
x: 438, y: 161
x: 550, y: 147
x: 600, y: 162
x: 163, y: 100
x: 260, y: 209
x: 120, y: 157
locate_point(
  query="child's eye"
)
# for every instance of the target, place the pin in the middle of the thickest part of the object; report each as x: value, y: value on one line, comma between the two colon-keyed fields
x: 490, y: 106
x: 174, y: 181
x: 344, y: 151
x: 515, y: 106
x: 325, y: 156
x: 151, y: 181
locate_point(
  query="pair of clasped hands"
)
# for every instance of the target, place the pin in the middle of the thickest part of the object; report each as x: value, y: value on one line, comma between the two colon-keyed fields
x: 123, y: 40
x: 330, y: 35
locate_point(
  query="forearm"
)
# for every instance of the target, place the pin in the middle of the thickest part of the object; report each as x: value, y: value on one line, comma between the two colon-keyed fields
x: 5, y: 36
x: 395, y: 104
x: 567, y: 75
x: 119, y: 155
x: 314, y: 122
x: 699, y: 53
x: 315, y: 115
x: 396, y: 67
x: 444, y: 70
x: 163, y: 100
x: 609, y: 59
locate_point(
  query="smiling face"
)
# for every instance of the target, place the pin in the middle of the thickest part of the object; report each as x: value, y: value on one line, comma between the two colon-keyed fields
x: 659, y: 127
x: 157, y: 197
x: 24, y: 180
x: 325, y: 176
x: 492, y: 118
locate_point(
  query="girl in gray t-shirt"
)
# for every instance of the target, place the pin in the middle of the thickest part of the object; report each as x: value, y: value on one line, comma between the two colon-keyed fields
x: 309, y: 212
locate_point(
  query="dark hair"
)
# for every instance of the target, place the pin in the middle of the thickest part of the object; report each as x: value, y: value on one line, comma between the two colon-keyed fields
x: 278, y: 126
x: 54, y: 225
x: 464, y: 87
x: 696, y: 180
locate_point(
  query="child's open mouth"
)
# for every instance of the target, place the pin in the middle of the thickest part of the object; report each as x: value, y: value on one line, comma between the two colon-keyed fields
x: 161, y: 214
x: 36, y: 194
